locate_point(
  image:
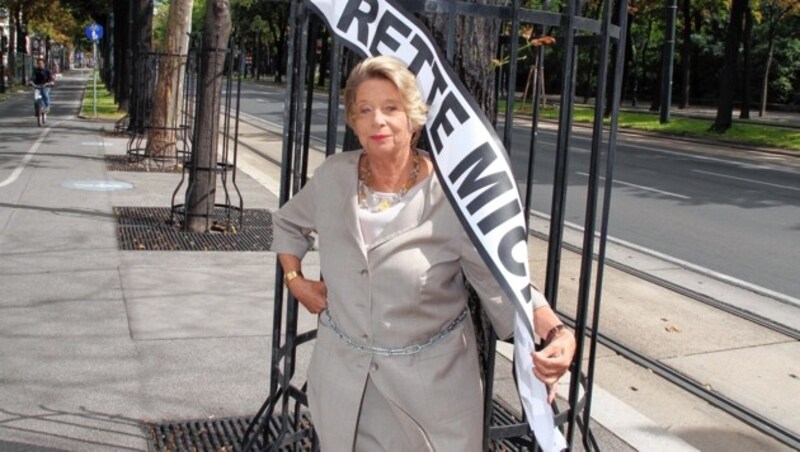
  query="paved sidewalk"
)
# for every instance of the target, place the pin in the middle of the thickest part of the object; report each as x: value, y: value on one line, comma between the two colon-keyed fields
x: 95, y: 340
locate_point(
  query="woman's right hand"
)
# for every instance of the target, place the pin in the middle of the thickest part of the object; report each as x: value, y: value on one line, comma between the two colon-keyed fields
x: 311, y: 294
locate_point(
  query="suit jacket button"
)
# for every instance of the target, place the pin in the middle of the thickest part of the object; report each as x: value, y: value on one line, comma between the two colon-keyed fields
x: 374, y: 367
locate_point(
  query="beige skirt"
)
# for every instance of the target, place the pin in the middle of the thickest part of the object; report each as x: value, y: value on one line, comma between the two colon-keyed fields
x: 384, y: 426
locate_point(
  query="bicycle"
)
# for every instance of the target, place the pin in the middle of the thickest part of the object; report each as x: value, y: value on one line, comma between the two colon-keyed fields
x: 38, y: 104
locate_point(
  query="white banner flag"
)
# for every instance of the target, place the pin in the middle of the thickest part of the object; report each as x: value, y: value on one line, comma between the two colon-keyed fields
x: 472, y: 164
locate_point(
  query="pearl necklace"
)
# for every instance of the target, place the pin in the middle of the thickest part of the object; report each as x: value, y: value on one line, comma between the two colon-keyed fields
x: 373, y: 201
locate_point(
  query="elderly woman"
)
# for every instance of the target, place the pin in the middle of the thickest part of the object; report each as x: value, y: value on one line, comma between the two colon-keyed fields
x: 395, y: 365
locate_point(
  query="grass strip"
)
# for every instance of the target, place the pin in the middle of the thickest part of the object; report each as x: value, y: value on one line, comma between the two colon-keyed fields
x: 106, y: 107
x: 755, y: 134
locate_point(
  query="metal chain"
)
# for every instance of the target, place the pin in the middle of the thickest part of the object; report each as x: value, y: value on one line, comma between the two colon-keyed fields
x: 327, y: 320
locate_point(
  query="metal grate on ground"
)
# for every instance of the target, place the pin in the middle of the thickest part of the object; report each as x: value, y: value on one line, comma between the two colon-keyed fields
x: 125, y: 163
x: 151, y: 229
x: 225, y: 434
x: 210, y: 435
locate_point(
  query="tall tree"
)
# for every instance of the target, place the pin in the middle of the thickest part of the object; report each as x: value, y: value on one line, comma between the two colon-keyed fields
x: 122, y: 54
x: 773, y: 13
x: 473, y: 52
x: 13, y: 19
x: 727, y: 80
x: 668, y: 60
x: 279, y: 32
x: 747, y: 40
x: 161, y: 141
x: 201, y: 189
x: 686, y: 52
x: 50, y: 21
x: 630, y: 79
x: 141, y: 43
x: 474, y: 48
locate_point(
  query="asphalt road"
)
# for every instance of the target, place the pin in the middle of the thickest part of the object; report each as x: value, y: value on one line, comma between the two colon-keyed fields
x: 731, y: 211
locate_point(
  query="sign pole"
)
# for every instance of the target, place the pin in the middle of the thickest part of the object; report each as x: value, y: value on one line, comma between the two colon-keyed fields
x: 94, y: 32
x: 94, y: 70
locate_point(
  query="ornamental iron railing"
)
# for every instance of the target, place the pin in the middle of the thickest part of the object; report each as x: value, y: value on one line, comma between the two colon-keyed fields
x: 282, y: 423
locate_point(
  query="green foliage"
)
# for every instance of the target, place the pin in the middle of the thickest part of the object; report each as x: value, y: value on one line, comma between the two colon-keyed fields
x: 709, y: 21
x: 160, y: 23
x: 198, y: 16
x: 786, y: 65
x: 255, y: 17
x: 161, y: 16
x: 62, y: 21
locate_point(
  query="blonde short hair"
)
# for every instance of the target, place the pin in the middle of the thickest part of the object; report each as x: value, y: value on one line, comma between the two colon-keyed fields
x: 393, y: 70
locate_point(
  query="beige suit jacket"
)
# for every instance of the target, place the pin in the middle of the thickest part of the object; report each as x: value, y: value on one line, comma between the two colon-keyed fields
x: 404, y: 288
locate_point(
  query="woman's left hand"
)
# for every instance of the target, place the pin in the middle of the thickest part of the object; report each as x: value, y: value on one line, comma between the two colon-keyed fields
x: 552, y: 362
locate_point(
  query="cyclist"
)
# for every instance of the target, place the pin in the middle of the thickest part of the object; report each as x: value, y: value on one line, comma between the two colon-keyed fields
x: 42, y: 77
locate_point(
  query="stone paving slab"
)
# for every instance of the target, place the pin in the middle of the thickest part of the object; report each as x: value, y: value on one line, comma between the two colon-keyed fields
x: 676, y: 412
x: 159, y: 305
x: 752, y: 376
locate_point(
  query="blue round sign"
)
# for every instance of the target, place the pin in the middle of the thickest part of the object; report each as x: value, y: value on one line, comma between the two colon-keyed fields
x: 94, y: 32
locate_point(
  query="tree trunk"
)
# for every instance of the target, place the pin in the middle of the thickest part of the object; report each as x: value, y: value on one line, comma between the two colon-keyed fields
x: 280, y: 51
x: 727, y: 82
x: 475, y: 48
x: 630, y: 76
x: 11, y: 66
x: 476, y: 41
x: 587, y: 87
x: 22, y: 41
x: 640, y: 66
x: 744, y: 113
x: 281, y: 48
x: 161, y: 141
x: 201, y: 190
x: 46, y: 52
x: 686, y: 53
x: 141, y: 44
x: 108, y: 51
x: 765, y: 84
x: 122, y: 78
x: 655, y: 103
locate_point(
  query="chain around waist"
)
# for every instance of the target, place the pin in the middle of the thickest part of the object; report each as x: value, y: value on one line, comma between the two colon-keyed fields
x: 326, y: 319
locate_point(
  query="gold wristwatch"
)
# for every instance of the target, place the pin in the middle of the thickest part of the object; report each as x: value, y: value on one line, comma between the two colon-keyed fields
x: 288, y: 277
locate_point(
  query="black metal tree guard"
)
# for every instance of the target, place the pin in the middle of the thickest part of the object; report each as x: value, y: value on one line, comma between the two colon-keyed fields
x: 229, y: 212
x: 149, y: 67
x: 282, y: 423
